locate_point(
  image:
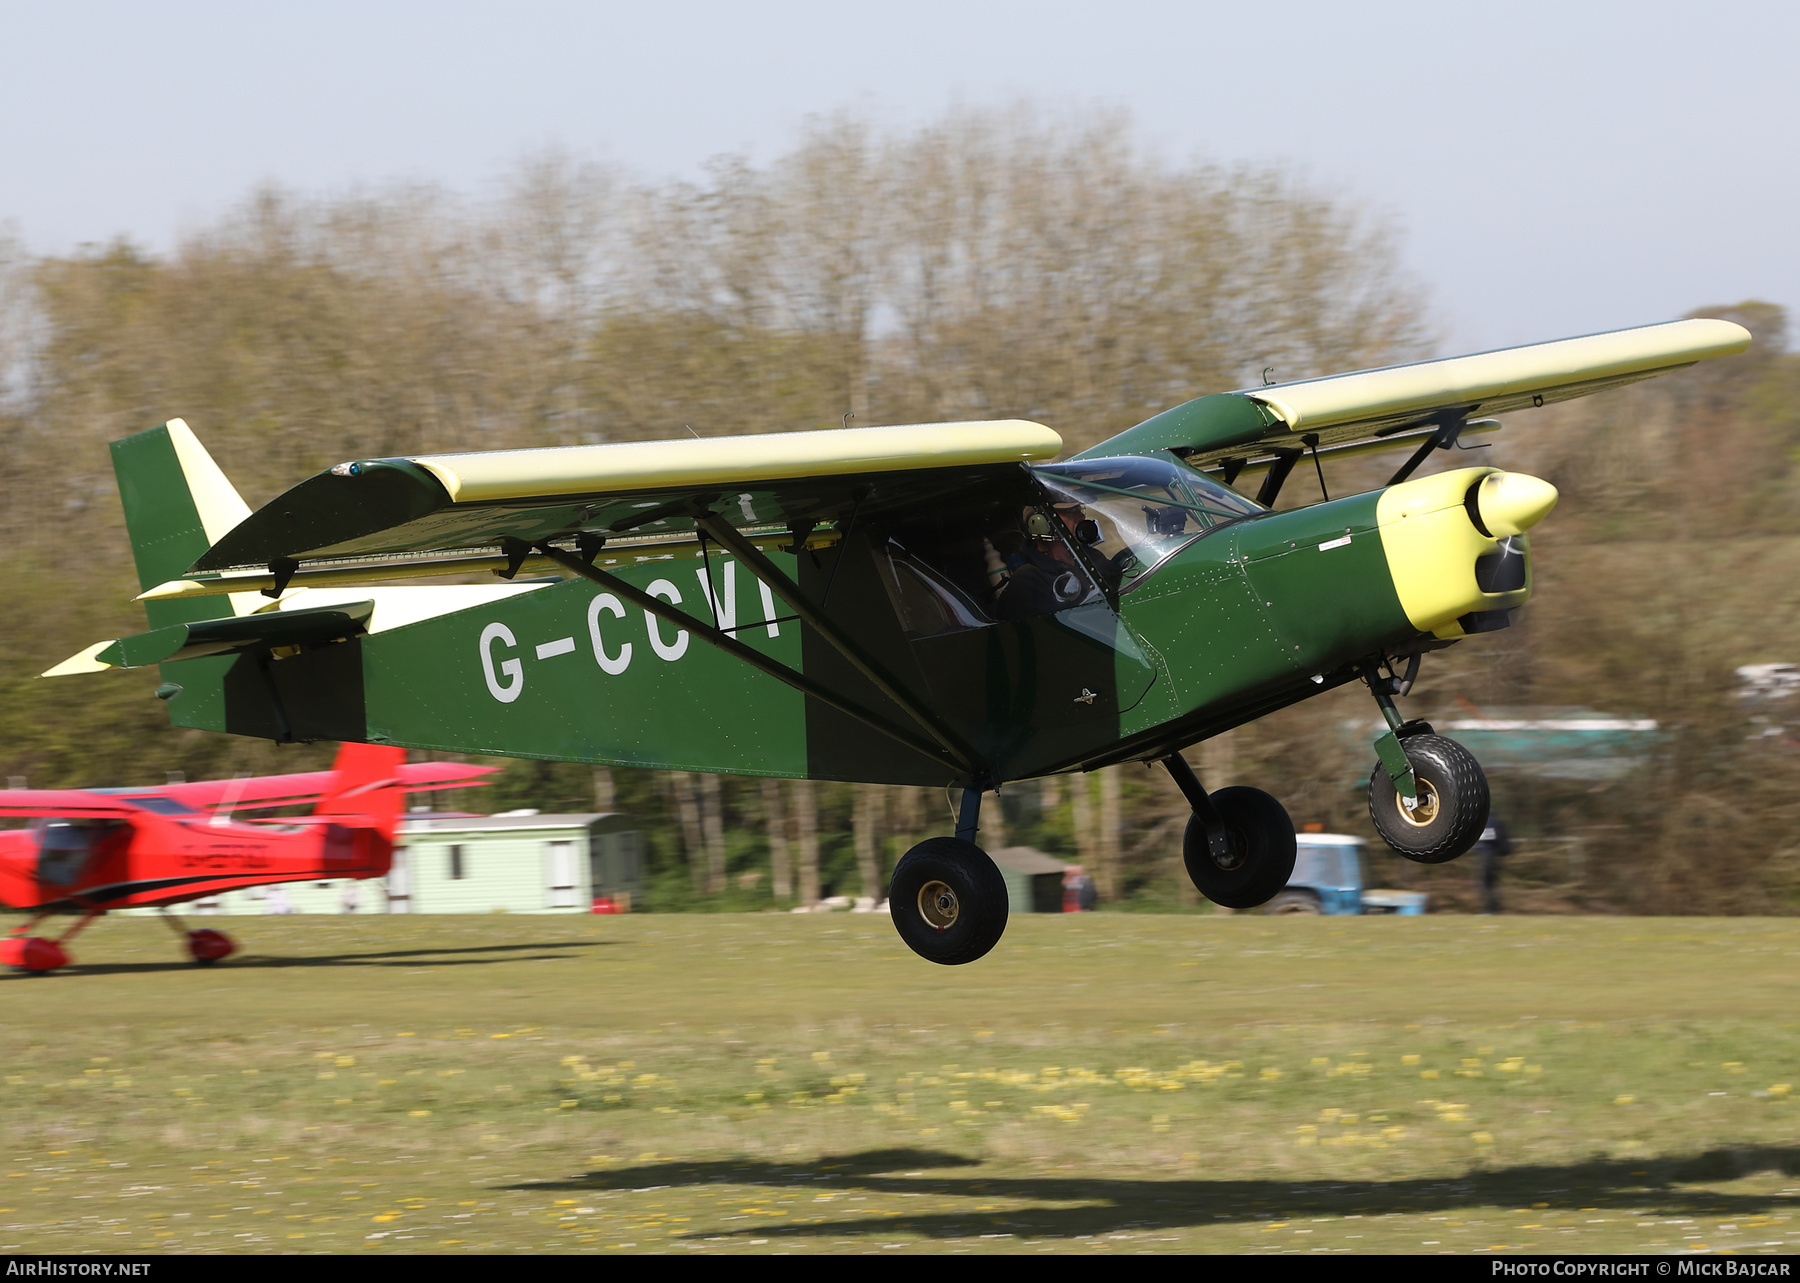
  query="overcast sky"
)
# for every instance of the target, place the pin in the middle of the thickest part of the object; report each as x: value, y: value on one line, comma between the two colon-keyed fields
x: 1556, y: 168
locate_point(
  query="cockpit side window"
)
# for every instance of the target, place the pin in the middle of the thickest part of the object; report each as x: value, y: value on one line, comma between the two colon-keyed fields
x: 970, y: 568
x: 64, y: 847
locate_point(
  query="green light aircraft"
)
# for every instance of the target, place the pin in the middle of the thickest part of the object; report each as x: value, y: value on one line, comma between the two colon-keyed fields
x: 937, y: 604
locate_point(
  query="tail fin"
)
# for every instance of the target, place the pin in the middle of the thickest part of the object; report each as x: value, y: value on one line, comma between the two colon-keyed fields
x: 177, y: 505
x: 368, y: 785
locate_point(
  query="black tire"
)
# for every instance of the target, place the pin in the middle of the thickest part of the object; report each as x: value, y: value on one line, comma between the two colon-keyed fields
x: 948, y: 901
x: 204, y: 962
x: 1295, y: 902
x: 1453, y: 801
x: 1260, y: 859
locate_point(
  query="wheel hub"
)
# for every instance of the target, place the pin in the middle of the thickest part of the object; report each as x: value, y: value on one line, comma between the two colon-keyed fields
x: 1232, y: 857
x: 1426, y: 812
x: 938, y: 904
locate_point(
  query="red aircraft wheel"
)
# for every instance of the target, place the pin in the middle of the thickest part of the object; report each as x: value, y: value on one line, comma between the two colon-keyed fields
x: 208, y: 946
x: 32, y: 955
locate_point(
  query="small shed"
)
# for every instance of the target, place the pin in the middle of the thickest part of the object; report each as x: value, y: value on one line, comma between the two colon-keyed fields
x: 1034, y: 881
x: 517, y: 862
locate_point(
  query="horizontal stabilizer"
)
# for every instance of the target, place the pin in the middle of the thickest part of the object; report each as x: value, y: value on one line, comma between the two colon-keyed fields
x: 269, y: 791
x: 235, y: 633
x: 83, y: 661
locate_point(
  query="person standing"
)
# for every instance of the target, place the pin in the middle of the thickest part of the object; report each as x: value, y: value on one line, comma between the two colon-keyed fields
x: 1078, y: 890
x: 1490, y: 848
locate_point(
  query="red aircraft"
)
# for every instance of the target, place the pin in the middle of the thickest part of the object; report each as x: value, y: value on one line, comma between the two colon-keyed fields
x: 94, y: 850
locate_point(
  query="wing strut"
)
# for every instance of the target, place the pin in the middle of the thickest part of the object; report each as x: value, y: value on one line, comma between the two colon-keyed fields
x: 1450, y: 425
x: 730, y: 538
x: 732, y: 646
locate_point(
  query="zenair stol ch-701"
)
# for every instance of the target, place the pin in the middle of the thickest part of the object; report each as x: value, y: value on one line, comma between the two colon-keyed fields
x: 936, y: 604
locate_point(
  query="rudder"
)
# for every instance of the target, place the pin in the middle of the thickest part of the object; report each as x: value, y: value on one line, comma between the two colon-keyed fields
x: 368, y: 785
x: 177, y: 505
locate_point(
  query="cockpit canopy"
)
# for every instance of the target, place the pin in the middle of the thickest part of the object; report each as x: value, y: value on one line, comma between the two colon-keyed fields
x: 1095, y: 528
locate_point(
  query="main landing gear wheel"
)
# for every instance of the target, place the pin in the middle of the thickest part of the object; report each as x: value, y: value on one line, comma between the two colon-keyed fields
x: 207, y: 946
x: 948, y: 901
x: 1259, y: 856
x: 1453, y: 801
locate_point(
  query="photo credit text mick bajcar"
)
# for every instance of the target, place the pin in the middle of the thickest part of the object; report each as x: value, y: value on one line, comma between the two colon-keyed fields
x: 1687, y: 1268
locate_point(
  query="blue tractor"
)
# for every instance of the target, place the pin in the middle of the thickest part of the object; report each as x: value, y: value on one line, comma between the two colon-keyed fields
x: 1331, y: 877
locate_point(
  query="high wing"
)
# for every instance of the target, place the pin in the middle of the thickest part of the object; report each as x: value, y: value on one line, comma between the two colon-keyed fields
x: 434, y: 506
x: 208, y: 795
x: 72, y: 804
x: 434, y: 514
x: 1417, y: 403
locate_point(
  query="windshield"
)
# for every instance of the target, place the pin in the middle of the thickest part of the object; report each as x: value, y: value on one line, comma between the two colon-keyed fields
x: 161, y: 805
x: 1133, y: 513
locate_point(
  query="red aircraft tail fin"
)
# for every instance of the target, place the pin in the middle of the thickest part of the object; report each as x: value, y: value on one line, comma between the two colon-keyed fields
x: 368, y: 785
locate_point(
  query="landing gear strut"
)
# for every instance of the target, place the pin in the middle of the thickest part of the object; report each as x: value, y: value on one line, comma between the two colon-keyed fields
x: 1239, y: 845
x: 947, y: 898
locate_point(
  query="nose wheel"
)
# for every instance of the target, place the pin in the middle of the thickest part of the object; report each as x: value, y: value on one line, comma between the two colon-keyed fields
x: 1452, y: 801
x: 30, y: 955
x: 1428, y: 796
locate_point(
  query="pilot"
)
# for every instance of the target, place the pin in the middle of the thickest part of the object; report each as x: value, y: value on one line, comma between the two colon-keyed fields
x: 1030, y: 570
x: 1085, y: 531
x: 1073, y: 515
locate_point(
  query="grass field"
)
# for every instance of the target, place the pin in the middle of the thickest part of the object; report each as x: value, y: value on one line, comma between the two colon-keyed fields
x: 1101, y: 1083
